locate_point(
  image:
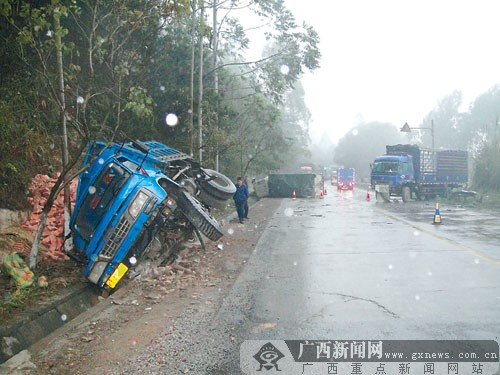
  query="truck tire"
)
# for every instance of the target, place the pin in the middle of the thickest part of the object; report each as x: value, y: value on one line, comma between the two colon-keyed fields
x: 212, y: 201
x: 220, y: 187
x: 406, y: 194
x: 196, y: 214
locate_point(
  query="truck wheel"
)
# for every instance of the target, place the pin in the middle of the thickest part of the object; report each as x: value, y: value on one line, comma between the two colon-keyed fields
x: 406, y: 194
x: 220, y: 187
x: 196, y: 214
x: 212, y: 201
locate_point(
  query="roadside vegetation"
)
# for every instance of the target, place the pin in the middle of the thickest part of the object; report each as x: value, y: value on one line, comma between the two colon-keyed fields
x: 73, y: 72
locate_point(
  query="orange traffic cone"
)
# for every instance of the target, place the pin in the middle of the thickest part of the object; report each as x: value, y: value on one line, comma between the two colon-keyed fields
x: 437, y: 216
x: 294, y: 196
x: 368, y: 194
x: 321, y: 194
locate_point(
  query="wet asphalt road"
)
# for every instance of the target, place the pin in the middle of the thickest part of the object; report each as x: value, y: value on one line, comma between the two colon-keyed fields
x: 344, y: 268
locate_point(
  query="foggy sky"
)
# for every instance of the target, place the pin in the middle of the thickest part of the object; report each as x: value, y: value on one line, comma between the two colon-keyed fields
x: 393, y: 60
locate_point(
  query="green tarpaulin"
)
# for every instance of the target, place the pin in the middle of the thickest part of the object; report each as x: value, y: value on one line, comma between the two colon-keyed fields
x: 283, y: 185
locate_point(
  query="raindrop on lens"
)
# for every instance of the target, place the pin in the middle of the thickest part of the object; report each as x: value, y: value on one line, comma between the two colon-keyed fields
x: 162, y: 88
x: 355, y: 132
x: 230, y: 231
x: 284, y: 69
x: 417, y: 297
x: 416, y: 233
x: 79, y: 99
x: 390, y: 266
x: 92, y: 190
x: 288, y: 212
x: 294, y: 263
x: 100, y: 161
x: 64, y: 317
x: 429, y: 273
x: 476, y: 261
x: 171, y: 119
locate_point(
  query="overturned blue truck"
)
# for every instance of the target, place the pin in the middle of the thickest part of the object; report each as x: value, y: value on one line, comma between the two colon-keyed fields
x: 139, y: 200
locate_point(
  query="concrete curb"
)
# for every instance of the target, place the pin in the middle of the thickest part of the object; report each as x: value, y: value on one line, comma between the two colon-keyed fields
x: 44, y: 319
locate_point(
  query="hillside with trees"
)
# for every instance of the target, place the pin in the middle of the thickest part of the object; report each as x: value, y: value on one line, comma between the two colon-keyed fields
x: 76, y: 71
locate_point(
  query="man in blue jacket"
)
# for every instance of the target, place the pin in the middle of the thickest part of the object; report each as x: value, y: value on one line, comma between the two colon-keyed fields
x: 240, y: 199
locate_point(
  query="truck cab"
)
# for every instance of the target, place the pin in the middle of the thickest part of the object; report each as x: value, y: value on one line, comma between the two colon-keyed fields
x: 391, y: 174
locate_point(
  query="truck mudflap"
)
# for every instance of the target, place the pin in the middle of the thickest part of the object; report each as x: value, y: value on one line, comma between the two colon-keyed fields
x: 382, y: 193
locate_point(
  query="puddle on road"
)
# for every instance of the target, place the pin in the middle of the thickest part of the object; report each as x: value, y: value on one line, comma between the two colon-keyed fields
x: 467, y: 223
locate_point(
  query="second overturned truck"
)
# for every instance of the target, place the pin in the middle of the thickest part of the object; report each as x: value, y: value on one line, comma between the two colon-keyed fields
x: 139, y: 200
x: 409, y: 170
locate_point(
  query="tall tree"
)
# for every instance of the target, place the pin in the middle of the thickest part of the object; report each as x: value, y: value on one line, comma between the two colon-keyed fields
x: 481, y: 122
x: 448, y: 131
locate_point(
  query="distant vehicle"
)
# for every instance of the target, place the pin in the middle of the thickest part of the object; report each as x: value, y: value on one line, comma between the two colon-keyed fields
x: 409, y: 169
x: 346, y: 178
x: 330, y: 173
x: 139, y: 200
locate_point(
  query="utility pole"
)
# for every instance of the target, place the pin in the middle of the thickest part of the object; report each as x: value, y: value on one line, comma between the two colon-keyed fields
x: 432, y: 134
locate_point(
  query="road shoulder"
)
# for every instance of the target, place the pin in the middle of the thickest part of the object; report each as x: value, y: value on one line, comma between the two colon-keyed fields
x: 118, y: 332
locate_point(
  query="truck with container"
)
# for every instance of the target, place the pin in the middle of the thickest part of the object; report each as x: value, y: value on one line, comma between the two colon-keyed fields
x: 412, y: 171
x: 346, y: 178
x: 138, y: 201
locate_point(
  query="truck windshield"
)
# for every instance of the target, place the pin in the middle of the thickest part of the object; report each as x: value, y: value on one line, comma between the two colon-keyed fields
x: 99, y: 197
x: 385, y: 167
